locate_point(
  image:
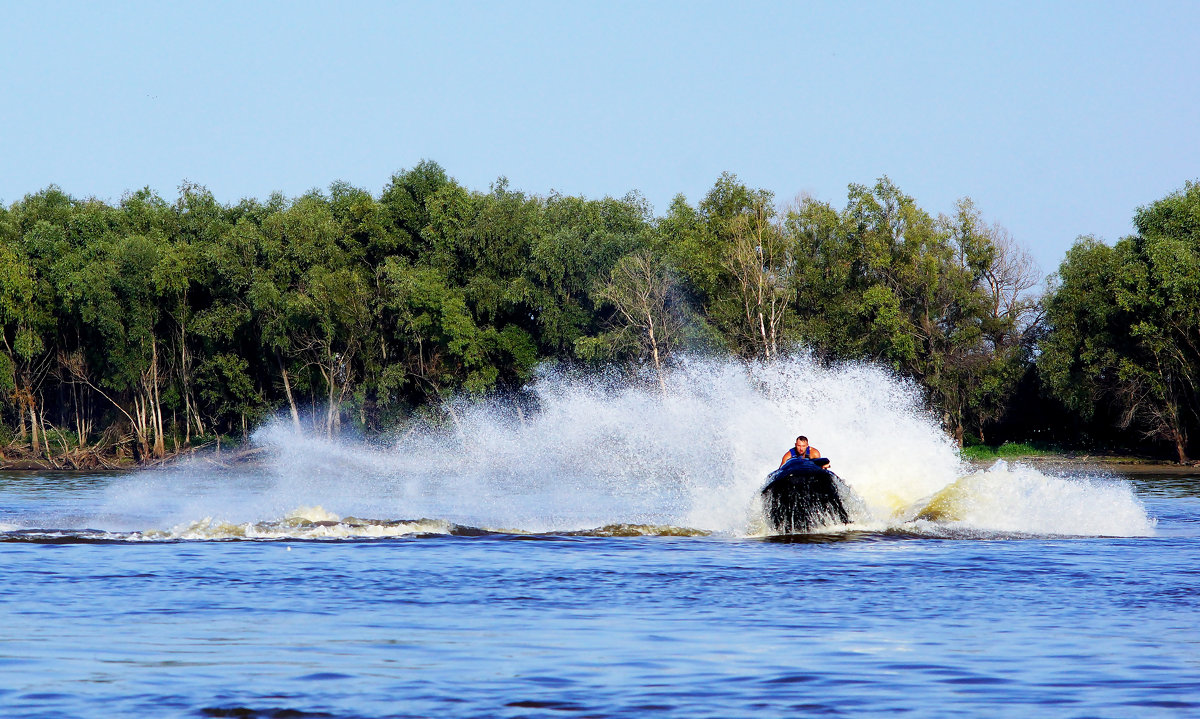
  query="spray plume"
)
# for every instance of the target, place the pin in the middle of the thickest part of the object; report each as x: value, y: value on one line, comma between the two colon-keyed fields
x: 605, y: 451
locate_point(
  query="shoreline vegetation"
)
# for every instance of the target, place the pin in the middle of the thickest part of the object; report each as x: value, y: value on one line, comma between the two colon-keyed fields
x: 232, y: 453
x: 226, y: 452
x: 141, y: 330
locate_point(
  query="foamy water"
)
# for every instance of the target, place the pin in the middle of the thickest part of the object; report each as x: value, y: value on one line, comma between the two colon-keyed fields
x: 585, y: 452
x: 1018, y: 498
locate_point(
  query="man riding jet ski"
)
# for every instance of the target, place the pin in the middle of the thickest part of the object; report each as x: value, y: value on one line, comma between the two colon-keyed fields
x: 803, y: 494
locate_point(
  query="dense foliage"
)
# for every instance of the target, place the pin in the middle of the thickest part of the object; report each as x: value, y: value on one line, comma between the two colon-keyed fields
x: 138, y: 328
x: 1124, y: 344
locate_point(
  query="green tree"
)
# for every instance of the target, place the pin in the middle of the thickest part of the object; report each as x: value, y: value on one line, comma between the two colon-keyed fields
x: 827, y: 280
x: 734, y: 262
x: 760, y: 263
x: 404, y: 206
x: 1125, y: 324
x: 438, y: 345
x: 24, y: 363
x: 576, y: 242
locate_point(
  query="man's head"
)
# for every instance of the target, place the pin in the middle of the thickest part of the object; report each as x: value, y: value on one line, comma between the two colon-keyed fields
x: 802, y: 443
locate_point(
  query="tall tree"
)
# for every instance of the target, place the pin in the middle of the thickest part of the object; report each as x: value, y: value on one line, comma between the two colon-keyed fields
x: 761, y: 270
x: 1125, y: 324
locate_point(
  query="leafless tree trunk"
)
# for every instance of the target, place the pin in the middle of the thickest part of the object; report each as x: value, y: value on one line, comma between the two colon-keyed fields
x: 34, y: 424
x: 287, y: 389
x: 160, y: 449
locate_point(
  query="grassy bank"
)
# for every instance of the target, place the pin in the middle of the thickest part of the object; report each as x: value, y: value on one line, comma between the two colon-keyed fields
x: 1008, y: 450
x: 1042, y: 456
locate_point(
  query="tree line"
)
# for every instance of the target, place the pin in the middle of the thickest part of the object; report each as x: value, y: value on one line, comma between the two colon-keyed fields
x: 148, y: 326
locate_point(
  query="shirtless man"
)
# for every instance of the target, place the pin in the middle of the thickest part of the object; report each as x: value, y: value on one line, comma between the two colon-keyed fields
x: 802, y: 449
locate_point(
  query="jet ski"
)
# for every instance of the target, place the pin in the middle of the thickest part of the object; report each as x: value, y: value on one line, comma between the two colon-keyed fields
x: 804, y: 495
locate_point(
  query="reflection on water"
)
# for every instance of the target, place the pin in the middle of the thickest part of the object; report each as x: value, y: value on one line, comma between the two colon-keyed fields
x: 1167, y: 485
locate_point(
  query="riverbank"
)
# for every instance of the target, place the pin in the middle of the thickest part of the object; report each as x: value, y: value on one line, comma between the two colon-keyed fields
x: 15, y: 458
x: 222, y: 454
x: 1110, y: 463
x: 1046, y: 459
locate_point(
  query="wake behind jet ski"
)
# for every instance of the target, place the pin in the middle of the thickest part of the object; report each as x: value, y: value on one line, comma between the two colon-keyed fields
x: 804, y: 495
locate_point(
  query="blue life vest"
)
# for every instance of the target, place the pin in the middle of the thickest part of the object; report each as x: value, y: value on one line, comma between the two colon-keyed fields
x: 796, y: 454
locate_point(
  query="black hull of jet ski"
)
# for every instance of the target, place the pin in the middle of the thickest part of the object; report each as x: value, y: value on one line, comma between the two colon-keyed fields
x: 801, y: 497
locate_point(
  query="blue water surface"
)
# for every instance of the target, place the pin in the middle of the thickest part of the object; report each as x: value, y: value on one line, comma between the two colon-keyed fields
x: 507, y: 625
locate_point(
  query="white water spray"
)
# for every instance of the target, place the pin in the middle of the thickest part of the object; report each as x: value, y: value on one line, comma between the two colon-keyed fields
x: 605, y: 451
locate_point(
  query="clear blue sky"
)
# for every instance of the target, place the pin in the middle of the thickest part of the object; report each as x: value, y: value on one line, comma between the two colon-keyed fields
x: 1059, y: 119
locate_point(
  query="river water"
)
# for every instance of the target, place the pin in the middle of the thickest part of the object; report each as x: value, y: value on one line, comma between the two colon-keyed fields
x: 601, y: 553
